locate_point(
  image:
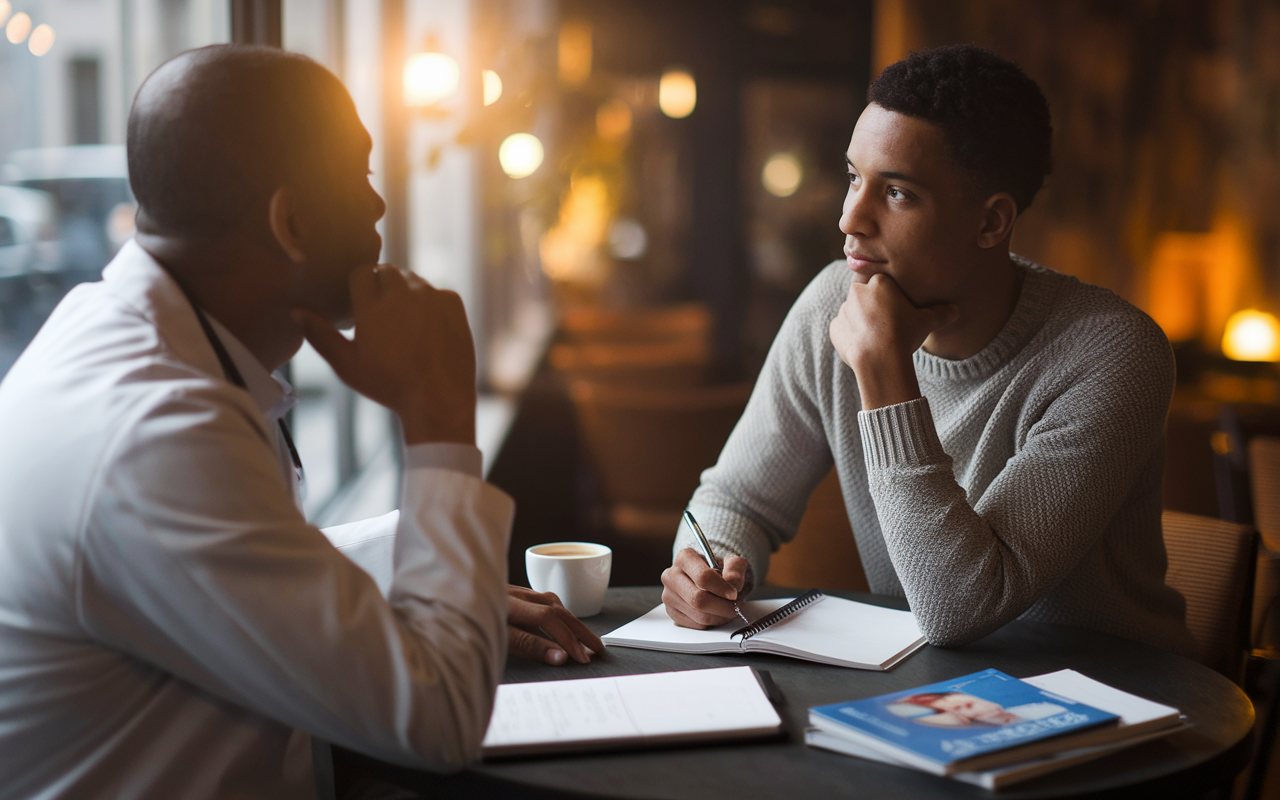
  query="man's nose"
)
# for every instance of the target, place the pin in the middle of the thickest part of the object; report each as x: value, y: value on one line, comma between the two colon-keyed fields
x: 857, y: 218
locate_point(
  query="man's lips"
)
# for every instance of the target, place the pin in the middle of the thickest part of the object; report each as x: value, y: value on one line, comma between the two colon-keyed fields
x: 861, y: 261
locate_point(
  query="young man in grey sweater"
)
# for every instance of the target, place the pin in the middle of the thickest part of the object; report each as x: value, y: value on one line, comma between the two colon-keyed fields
x: 997, y: 426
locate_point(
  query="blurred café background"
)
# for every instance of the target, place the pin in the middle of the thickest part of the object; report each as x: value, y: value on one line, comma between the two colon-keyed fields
x: 629, y: 195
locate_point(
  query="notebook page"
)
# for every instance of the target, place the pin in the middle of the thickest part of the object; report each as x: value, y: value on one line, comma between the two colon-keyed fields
x: 657, y: 628
x: 853, y: 632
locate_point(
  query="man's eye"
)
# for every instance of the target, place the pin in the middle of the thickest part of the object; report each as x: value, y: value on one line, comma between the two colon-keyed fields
x: 852, y: 178
x: 896, y: 193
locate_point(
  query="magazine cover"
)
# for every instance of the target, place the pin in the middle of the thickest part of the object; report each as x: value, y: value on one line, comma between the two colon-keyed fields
x: 961, y: 718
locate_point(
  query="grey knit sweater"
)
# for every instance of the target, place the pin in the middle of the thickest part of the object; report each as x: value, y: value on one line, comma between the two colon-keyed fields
x: 1025, y: 483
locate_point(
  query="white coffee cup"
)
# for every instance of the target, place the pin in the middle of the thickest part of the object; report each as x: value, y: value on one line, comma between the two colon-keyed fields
x: 577, y: 572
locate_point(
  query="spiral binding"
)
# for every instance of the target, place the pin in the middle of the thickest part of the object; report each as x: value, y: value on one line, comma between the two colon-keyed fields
x: 807, y: 599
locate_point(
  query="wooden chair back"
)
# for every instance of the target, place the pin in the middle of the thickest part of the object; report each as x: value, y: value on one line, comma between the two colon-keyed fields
x: 1264, y: 483
x: 824, y: 554
x: 650, y: 444
x: 644, y: 364
x: 1211, y: 563
x: 689, y: 321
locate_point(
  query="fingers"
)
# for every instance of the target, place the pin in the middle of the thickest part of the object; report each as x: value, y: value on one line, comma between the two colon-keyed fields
x: 695, y: 607
x: 533, y: 611
x: 332, y: 346
x: 528, y: 646
x: 706, y: 578
x: 735, y: 572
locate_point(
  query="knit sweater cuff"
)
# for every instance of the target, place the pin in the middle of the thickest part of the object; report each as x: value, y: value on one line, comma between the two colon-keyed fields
x: 900, y: 435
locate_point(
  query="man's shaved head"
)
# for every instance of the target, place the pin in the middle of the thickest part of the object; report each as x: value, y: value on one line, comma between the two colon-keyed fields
x: 213, y: 132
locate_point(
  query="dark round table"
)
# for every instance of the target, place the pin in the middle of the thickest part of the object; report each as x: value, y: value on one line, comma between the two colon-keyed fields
x: 1184, y: 764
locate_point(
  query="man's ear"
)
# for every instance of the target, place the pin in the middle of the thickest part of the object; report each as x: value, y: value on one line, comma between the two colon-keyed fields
x: 281, y: 214
x: 999, y: 214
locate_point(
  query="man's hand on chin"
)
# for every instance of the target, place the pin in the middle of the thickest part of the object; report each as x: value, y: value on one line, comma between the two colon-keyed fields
x: 875, y: 333
x: 541, y: 629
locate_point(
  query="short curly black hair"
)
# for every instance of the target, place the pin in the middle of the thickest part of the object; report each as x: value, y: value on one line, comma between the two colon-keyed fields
x: 994, y: 118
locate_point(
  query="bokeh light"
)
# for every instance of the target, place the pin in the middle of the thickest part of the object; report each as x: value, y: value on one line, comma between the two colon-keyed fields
x: 1252, y: 335
x: 627, y: 239
x: 492, y: 86
x: 782, y: 174
x: 520, y: 154
x: 5, y: 10
x: 429, y: 78
x: 574, y: 52
x: 677, y: 93
x: 41, y: 40
x: 613, y: 119
x: 18, y: 28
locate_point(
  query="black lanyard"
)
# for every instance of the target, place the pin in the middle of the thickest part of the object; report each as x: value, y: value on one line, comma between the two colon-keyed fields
x: 232, y: 374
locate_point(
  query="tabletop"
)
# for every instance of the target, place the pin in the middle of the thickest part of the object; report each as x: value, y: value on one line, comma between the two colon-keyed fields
x: 1181, y: 764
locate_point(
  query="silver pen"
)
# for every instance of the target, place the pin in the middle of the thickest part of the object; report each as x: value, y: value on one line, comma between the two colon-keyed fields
x: 705, y: 547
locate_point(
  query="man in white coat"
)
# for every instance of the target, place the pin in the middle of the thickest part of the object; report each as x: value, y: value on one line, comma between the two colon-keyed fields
x: 170, y: 624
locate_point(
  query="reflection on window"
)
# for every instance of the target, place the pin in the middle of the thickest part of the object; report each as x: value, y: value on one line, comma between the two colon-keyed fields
x: 67, y: 75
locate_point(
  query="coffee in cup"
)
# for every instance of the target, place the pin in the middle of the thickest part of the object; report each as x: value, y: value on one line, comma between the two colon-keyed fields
x: 577, y: 572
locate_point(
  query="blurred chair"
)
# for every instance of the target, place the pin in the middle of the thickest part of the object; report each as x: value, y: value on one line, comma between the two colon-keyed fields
x: 1238, y: 424
x: 1211, y: 563
x: 649, y: 446
x: 1264, y: 483
x: 593, y: 324
x: 824, y: 554
x: 652, y: 364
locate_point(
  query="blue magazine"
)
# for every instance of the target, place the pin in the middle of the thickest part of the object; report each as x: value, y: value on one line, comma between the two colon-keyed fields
x: 956, y: 725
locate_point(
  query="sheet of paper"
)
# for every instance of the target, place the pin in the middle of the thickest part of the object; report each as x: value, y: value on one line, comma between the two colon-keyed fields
x: 665, y: 704
x: 1131, y: 708
x: 691, y: 701
x: 558, y: 711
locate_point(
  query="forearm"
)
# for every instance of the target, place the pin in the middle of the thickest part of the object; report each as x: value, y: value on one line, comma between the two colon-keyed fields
x: 963, y: 575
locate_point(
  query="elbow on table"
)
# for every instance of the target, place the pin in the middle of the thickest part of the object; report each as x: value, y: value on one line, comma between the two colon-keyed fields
x: 950, y: 633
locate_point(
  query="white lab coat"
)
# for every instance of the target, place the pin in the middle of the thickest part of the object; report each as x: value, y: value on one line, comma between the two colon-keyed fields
x: 170, y: 625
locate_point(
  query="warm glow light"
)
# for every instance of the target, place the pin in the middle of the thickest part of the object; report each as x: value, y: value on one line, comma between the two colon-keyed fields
x: 570, y: 251
x: 429, y: 78
x: 18, y: 28
x: 1252, y: 336
x: 613, y: 119
x: 677, y: 93
x: 41, y: 40
x: 520, y: 154
x: 782, y: 175
x: 492, y: 86
x: 5, y: 8
x: 574, y: 52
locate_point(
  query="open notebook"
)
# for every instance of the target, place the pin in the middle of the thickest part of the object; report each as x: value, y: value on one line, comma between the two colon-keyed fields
x: 629, y: 711
x: 834, y: 631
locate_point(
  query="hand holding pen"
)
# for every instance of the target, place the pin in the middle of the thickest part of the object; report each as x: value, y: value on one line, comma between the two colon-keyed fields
x: 697, y: 594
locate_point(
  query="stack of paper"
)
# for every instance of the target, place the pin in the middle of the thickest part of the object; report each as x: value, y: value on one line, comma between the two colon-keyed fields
x: 1066, y: 693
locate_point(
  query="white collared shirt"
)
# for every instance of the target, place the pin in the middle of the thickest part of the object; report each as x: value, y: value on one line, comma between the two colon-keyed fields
x: 167, y: 616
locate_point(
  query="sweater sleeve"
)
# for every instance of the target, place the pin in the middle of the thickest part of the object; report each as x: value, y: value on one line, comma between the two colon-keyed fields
x: 752, y: 500
x: 969, y: 565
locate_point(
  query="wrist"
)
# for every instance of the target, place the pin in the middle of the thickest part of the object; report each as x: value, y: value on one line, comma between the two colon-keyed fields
x: 421, y: 426
x: 885, y: 379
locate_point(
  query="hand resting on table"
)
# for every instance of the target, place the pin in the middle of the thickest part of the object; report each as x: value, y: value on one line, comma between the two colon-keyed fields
x: 539, y: 628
